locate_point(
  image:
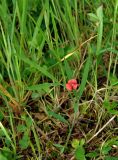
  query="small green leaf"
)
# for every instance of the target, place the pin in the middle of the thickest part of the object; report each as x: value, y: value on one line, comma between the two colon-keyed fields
x: 93, y: 154
x: 36, y: 95
x: 93, y: 17
x: 75, y: 143
x: 24, y: 142
x: 80, y: 153
x: 21, y: 128
x: 106, y: 149
x: 82, y: 142
x: 28, y: 122
x: 111, y: 107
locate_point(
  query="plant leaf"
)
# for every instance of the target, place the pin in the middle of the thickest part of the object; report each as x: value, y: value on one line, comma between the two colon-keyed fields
x: 57, y: 116
x: 93, y: 17
x: 80, y: 153
x: 33, y: 64
x: 24, y: 142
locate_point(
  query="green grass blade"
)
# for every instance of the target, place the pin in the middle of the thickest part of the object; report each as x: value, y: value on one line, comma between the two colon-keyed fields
x: 100, y: 29
x: 84, y: 76
x: 57, y: 116
x: 36, y: 66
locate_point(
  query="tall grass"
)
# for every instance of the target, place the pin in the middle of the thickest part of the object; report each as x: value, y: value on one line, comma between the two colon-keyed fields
x: 43, y: 44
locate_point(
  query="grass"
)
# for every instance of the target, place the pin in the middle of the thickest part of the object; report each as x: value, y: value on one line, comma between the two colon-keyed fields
x: 43, y: 44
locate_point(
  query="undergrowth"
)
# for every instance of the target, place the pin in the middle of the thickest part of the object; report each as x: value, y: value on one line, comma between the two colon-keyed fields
x: 43, y: 44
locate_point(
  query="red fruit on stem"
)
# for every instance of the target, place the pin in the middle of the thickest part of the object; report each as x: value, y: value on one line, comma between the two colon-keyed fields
x: 72, y: 85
